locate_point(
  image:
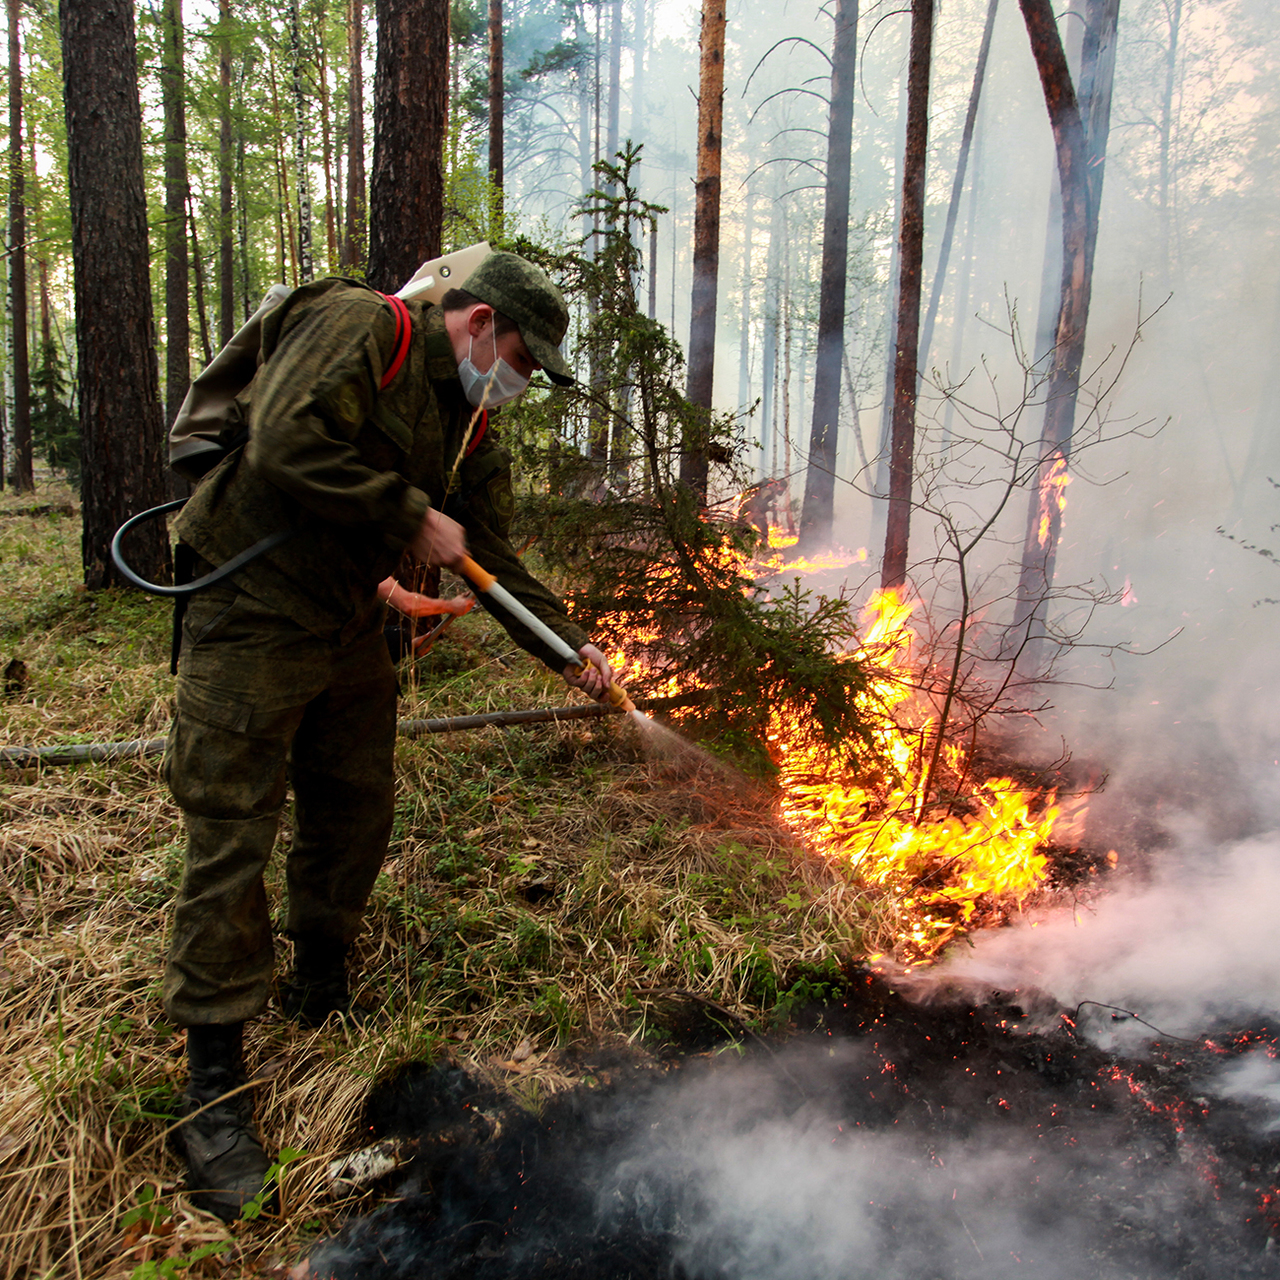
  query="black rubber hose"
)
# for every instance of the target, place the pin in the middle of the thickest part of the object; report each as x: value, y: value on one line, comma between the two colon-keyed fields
x: 86, y: 752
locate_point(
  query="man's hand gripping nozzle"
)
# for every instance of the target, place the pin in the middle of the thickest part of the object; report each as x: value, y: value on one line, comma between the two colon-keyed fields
x: 482, y: 580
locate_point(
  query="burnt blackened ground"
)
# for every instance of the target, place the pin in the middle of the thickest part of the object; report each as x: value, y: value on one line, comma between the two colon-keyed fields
x: 884, y: 1138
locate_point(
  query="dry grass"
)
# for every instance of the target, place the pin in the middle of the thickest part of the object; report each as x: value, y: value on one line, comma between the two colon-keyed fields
x: 545, y: 887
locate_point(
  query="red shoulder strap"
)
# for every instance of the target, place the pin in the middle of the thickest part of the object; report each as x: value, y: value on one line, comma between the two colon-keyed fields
x: 404, y: 332
x: 479, y: 435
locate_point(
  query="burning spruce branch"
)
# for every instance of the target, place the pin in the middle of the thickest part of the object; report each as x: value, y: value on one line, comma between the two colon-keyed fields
x: 851, y: 721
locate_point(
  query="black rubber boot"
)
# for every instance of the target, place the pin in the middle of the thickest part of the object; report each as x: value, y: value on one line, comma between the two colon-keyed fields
x: 226, y: 1165
x: 318, y: 988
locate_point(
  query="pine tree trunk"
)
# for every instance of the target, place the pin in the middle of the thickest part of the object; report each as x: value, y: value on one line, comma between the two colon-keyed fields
x: 496, y: 111
x: 23, y: 474
x: 34, y: 202
x: 637, y: 69
x: 893, y: 569
x: 706, y: 243
x: 326, y: 141
x: 819, y: 491
x: 1080, y: 128
x: 957, y: 184
x: 612, y: 141
x: 177, y: 307
x: 284, y: 207
x: 226, y: 209
x: 301, y: 149
x: 353, y: 240
x: 410, y: 108
x: 744, y: 335
x: 1166, y: 139
x: 197, y: 266
x: 769, y: 355
x: 121, y: 427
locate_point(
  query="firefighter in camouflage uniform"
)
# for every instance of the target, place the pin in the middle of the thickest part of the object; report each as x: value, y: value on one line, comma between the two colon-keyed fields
x: 284, y: 677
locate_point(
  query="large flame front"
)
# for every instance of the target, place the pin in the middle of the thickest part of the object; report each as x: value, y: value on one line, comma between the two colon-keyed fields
x: 921, y: 831
x: 940, y: 858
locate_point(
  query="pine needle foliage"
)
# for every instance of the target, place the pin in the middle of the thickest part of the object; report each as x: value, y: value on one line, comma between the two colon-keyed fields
x: 654, y: 575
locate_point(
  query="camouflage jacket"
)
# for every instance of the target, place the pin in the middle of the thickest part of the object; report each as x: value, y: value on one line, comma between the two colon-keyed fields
x: 352, y: 470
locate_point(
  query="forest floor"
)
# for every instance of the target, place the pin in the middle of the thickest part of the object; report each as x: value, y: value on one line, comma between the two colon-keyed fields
x: 547, y: 888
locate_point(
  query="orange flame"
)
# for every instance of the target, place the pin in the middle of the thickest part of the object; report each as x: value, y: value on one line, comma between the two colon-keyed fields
x: 1053, y: 491
x: 944, y: 845
x: 988, y: 846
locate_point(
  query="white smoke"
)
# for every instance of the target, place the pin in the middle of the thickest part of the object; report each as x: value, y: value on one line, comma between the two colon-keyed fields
x: 1192, y: 946
x: 777, y: 1182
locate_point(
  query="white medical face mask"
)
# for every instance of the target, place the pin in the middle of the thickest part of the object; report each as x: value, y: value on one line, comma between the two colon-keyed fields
x: 497, y: 386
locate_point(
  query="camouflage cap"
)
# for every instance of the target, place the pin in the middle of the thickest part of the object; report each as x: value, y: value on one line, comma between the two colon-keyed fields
x: 525, y: 293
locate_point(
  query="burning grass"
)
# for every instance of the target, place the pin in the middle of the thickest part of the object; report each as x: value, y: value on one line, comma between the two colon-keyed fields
x: 545, y: 887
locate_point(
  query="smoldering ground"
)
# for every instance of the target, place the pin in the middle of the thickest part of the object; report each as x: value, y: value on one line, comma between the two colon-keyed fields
x: 891, y: 1140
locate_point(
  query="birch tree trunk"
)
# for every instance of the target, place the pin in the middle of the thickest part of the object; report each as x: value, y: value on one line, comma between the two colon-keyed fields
x: 893, y: 569
x: 121, y: 429
x: 817, y: 513
x: 410, y: 120
x: 302, y: 166
x: 23, y: 475
x: 706, y: 244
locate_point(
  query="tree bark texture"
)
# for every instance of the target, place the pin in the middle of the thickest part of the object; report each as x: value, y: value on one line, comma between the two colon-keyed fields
x: 893, y: 569
x: 706, y: 240
x: 177, y: 305
x: 1080, y: 125
x: 23, y: 474
x: 957, y: 184
x: 611, y: 138
x: 353, y: 239
x: 226, y: 210
x: 301, y: 149
x: 817, y: 513
x: 410, y: 118
x: 121, y: 429
x: 497, y: 109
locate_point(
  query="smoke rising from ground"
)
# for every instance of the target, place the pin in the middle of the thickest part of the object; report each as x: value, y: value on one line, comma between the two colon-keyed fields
x: 768, y: 1172
x: 1187, y: 949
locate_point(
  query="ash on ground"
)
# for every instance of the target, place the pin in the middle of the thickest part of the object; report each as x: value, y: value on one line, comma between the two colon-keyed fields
x: 884, y: 1139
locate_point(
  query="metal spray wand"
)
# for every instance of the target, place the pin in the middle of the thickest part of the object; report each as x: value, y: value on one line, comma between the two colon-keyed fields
x: 484, y: 581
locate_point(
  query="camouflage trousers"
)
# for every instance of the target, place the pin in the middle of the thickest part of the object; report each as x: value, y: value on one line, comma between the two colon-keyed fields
x: 262, y: 704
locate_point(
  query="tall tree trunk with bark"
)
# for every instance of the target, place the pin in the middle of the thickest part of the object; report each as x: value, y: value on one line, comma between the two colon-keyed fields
x: 612, y: 140
x: 410, y: 121
x: 177, y: 305
x: 817, y: 513
x: 121, y: 428
x: 301, y: 149
x: 893, y: 569
x: 23, y: 475
x: 226, y: 208
x: 1080, y: 126
x: 637, y: 69
x: 706, y: 243
x: 957, y: 184
x: 326, y: 139
x: 353, y: 239
x: 497, y: 109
